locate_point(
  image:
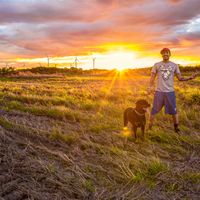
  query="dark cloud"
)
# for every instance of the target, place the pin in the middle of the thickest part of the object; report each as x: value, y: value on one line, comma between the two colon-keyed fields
x: 159, y: 14
x: 192, y: 37
x: 52, y: 11
x: 68, y: 27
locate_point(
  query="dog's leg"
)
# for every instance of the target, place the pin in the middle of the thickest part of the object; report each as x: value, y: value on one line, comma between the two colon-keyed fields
x: 143, y: 131
x: 125, y: 118
x: 135, y: 131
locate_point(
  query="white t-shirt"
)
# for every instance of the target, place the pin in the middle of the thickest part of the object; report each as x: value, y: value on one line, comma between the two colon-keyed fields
x: 165, y: 72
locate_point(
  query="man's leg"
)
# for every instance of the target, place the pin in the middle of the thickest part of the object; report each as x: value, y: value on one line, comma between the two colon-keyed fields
x: 158, y: 103
x: 170, y: 108
x: 176, y: 121
x: 175, y: 118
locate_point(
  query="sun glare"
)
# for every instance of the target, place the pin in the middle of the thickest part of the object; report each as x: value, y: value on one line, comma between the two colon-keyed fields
x: 121, y: 59
x: 120, y: 69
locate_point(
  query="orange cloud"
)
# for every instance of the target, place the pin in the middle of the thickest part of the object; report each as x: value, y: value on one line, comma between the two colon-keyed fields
x: 71, y: 28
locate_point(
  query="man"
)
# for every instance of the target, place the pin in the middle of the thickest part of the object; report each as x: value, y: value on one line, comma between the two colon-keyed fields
x: 164, y: 94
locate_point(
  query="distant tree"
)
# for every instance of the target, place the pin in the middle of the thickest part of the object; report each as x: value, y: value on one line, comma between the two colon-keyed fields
x: 7, y: 71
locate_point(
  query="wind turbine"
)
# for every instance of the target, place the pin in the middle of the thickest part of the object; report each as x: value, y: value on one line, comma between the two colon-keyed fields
x: 93, y: 62
x: 76, y: 62
x: 48, y: 61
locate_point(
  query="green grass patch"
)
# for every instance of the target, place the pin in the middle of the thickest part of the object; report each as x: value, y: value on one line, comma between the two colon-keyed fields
x: 165, y: 137
x: 55, y: 112
x: 89, y: 186
x: 193, y: 177
x: 67, y: 138
x: 149, y: 171
x: 172, y: 187
x: 6, y: 124
x: 116, y: 151
x: 155, y: 167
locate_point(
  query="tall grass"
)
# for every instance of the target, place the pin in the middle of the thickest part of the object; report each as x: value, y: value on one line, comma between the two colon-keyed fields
x: 103, y: 154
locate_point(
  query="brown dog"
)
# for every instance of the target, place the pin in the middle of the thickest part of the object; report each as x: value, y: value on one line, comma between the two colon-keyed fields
x: 136, y: 116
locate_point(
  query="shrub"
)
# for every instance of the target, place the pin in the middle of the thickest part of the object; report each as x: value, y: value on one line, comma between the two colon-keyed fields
x: 7, y: 71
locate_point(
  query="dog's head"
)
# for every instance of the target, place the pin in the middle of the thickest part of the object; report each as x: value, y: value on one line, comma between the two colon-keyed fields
x: 142, y: 105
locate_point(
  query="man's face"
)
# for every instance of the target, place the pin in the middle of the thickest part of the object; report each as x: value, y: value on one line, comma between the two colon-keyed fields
x: 166, y: 55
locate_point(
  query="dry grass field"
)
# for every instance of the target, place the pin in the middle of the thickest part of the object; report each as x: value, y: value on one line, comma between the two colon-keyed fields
x: 62, y: 137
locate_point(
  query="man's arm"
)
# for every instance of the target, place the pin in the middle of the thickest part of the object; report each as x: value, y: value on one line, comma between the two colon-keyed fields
x: 151, y: 83
x: 181, y: 78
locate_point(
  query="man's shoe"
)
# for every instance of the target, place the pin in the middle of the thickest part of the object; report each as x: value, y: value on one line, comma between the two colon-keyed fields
x: 177, y: 130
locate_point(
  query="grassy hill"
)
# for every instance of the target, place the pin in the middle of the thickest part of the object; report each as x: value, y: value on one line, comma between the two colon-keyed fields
x: 62, y: 138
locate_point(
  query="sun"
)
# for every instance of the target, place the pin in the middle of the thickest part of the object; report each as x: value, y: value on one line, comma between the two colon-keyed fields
x: 120, y: 69
x: 121, y: 60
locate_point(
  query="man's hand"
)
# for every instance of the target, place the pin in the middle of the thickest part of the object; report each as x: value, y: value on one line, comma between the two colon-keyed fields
x: 180, y: 78
x: 150, y: 90
x: 194, y: 75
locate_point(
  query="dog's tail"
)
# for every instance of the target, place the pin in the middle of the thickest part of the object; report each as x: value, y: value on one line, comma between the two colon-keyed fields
x: 125, y: 118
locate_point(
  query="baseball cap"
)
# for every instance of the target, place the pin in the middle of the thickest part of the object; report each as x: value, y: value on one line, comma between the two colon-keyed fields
x: 165, y: 49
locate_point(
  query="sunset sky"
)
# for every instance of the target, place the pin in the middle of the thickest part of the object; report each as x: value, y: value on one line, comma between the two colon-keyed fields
x: 118, y: 33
